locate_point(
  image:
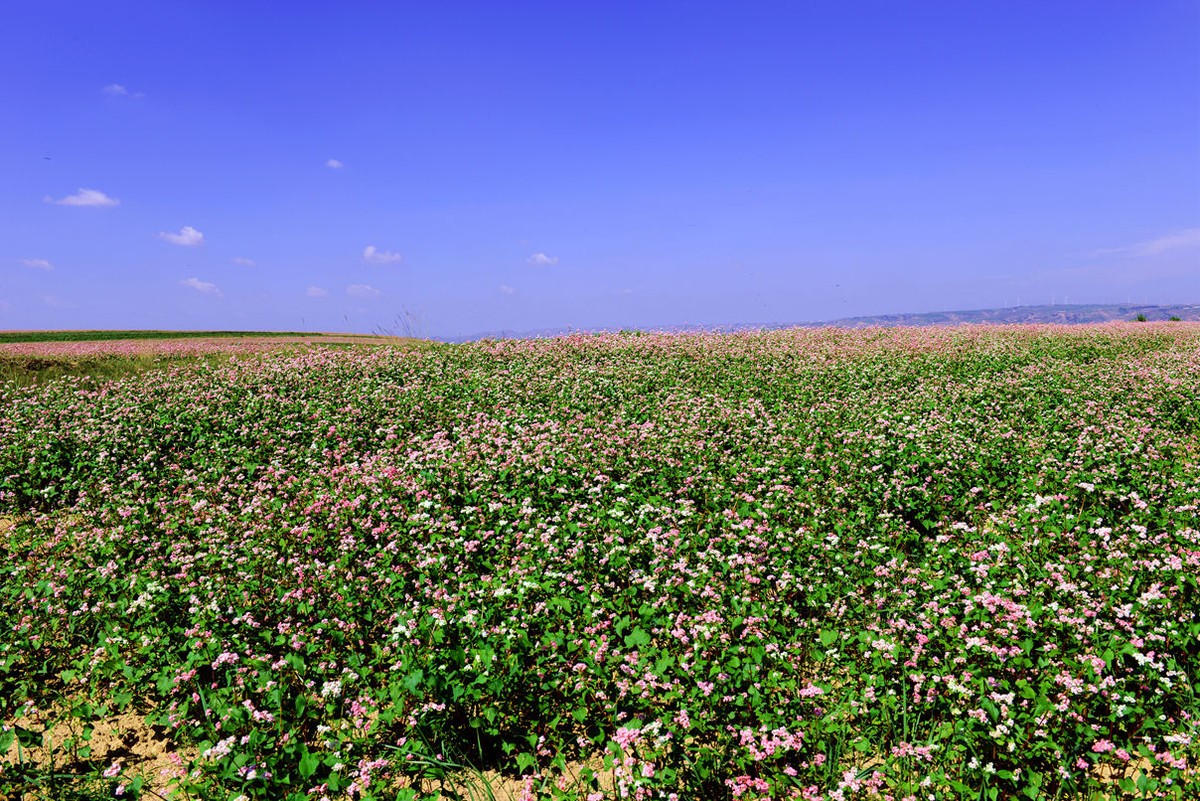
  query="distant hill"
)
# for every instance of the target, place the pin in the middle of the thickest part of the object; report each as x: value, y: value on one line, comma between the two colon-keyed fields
x: 1062, y: 314
x: 1069, y: 315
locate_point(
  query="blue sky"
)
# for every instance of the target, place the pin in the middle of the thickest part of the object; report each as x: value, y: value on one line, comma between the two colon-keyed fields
x: 516, y: 166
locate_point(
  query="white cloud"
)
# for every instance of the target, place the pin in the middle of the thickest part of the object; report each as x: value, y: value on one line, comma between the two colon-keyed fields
x: 362, y: 291
x: 542, y: 260
x: 57, y: 302
x: 242, y: 261
x: 188, y: 237
x: 334, y: 164
x: 1180, y: 240
x: 86, y: 197
x: 117, y: 90
x: 316, y: 292
x: 375, y: 256
x: 201, y: 286
x: 507, y: 290
x: 1189, y: 238
x: 40, y: 264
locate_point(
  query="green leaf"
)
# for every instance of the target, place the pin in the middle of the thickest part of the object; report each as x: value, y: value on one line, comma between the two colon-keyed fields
x: 828, y: 637
x: 308, y: 764
x: 638, y: 638
x: 28, y: 737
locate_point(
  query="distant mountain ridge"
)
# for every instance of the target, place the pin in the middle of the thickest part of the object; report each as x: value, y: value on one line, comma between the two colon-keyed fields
x: 1077, y: 314
x: 1062, y: 314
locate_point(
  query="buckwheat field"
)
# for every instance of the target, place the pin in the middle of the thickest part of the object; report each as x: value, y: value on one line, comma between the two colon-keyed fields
x: 833, y: 564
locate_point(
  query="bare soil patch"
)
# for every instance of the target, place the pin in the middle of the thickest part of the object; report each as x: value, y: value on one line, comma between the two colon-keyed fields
x: 142, y: 751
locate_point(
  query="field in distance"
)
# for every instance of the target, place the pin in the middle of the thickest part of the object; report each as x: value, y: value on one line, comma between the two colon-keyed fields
x: 35, y: 356
x: 108, y: 336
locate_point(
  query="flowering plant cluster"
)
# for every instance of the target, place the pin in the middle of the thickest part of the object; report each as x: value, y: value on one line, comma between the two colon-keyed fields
x: 806, y: 564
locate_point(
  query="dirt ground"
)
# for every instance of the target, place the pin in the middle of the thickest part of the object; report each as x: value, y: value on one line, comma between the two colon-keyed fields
x: 142, y: 750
